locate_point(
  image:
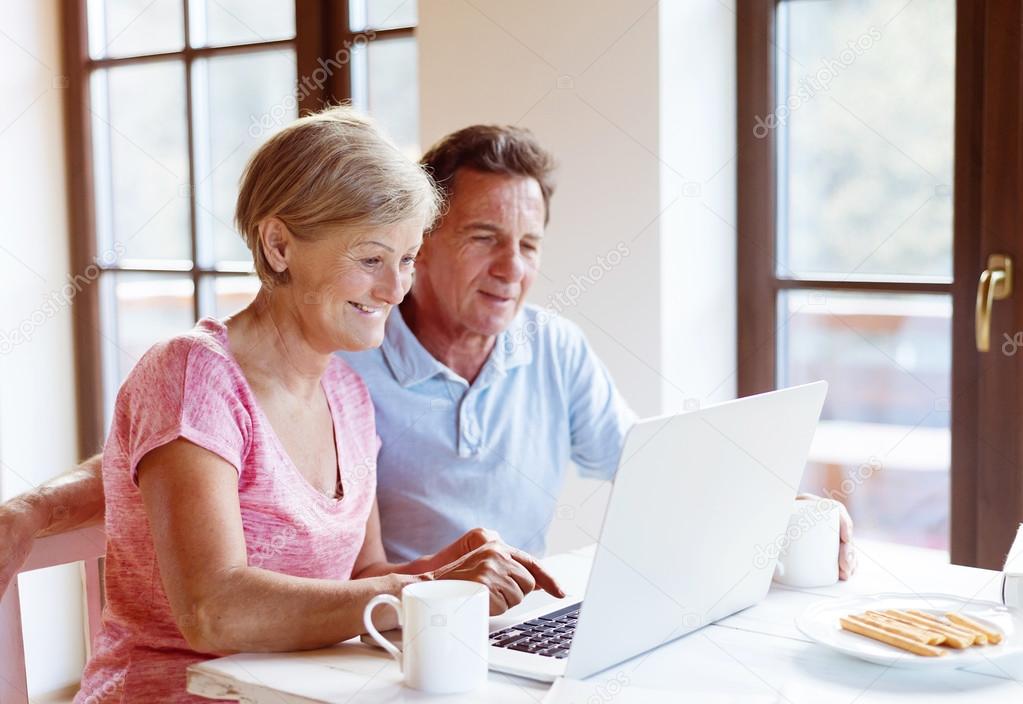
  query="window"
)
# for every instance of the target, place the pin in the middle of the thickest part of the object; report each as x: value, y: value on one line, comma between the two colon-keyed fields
x: 864, y: 193
x: 848, y: 267
x: 167, y: 100
x: 846, y: 271
x: 384, y: 68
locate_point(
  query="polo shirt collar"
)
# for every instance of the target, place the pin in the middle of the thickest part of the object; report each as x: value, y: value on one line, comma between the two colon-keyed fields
x: 514, y: 346
x: 412, y: 364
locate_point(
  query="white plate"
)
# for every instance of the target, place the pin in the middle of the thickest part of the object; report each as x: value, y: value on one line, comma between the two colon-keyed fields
x: 819, y: 622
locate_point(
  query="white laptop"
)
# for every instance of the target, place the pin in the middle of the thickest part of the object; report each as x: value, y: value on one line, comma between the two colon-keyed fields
x: 696, y: 498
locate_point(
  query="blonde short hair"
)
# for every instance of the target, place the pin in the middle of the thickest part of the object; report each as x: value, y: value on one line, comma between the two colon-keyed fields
x: 328, y: 170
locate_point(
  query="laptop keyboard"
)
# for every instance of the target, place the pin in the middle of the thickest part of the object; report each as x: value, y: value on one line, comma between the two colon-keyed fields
x: 549, y: 635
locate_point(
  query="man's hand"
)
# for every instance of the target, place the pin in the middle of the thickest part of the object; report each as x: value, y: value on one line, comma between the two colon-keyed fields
x: 508, y: 573
x: 18, y: 528
x: 846, y: 550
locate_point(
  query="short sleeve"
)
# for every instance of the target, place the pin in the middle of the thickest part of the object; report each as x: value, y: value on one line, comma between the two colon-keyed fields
x: 599, y: 417
x: 184, y: 388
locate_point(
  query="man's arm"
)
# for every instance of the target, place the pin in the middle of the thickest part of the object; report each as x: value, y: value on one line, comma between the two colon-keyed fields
x: 599, y: 417
x: 72, y: 500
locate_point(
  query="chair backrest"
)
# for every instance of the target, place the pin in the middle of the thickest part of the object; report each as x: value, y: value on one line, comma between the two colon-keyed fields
x: 86, y: 545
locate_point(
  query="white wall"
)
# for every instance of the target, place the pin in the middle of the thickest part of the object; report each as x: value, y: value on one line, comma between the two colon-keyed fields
x: 547, y: 66
x: 37, y: 409
x: 698, y: 238
x: 638, y: 102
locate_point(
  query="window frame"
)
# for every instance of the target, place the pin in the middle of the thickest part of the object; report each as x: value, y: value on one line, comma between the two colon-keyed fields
x: 985, y: 398
x: 322, y: 29
x: 759, y: 284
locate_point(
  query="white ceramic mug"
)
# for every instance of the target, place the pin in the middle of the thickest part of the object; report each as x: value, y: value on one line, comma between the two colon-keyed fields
x: 444, y: 634
x: 809, y: 556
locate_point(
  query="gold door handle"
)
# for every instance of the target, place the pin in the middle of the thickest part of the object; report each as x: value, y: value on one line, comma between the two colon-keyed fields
x: 995, y: 284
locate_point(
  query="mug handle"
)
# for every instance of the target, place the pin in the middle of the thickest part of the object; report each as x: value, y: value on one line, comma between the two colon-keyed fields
x: 367, y: 620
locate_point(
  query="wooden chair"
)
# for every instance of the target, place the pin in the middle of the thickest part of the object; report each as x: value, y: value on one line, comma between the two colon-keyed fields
x: 86, y: 545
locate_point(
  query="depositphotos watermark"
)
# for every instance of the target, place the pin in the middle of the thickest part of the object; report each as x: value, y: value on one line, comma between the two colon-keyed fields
x: 287, y: 107
x: 107, y: 690
x: 1012, y: 343
x: 817, y: 82
x: 580, y: 283
x: 265, y: 552
x: 809, y: 517
x: 855, y: 480
x: 57, y: 300
x: 570, y: 295
x: 816, y: 512
x: 274, y: 547
x: 606, y: 691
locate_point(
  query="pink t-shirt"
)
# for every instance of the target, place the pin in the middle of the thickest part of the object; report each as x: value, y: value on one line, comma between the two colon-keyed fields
x: 191, y: 387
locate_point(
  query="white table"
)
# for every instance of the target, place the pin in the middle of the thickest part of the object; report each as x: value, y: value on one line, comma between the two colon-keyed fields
x: 754, y: 653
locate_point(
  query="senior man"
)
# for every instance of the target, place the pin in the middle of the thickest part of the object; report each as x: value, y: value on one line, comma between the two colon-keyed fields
x: 481, y: 400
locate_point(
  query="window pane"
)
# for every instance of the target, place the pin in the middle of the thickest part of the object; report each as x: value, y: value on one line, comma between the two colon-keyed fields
x: 240, y: 21
x: 392, y: 89
x: 883, y: 445
x: 139, y: 310
x: 232, y: 293
x: 382, y: 14
x: 865, y: 137
x: 130, y: 27
x: 239, y: 101
x: 140, y: 156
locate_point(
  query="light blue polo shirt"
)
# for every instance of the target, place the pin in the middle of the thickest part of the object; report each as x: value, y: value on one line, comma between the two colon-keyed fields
x: 493, y: 454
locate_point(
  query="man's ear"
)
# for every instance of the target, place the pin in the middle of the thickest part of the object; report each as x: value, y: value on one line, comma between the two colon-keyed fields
x: 276, y: 241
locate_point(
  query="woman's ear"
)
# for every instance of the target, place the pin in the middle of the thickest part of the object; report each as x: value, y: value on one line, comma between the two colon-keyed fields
x: 276, y: 242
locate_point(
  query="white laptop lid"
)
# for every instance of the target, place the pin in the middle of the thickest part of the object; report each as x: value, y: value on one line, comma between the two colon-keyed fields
x: 697, y: 499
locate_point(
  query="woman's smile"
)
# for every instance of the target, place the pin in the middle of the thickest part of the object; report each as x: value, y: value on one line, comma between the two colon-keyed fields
x: 371, y: 311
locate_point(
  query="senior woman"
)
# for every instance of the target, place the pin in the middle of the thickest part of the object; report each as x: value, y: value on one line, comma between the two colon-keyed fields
x: 240, y: 467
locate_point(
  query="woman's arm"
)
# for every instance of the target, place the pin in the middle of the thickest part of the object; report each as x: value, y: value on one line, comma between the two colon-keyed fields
x: 223, y: 605
x: 72, y: 500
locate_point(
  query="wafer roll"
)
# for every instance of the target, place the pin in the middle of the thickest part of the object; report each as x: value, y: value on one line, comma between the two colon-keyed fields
x: 953, y: 638
x: 993, y: 637
x: 978, y: 638
x: 902, y: 629
x: 892, y: 639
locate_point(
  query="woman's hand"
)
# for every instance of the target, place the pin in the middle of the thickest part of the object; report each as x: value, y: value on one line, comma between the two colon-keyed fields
x: 508, y: 573
x: 469, y: 541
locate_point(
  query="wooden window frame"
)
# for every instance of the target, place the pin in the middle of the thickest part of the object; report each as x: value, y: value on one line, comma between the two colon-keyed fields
x: 984, y: 490
x: 322, y: 29
x: 758, y: 281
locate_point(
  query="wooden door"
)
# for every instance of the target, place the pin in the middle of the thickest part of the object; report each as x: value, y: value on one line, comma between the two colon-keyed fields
x: 987, y: 408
